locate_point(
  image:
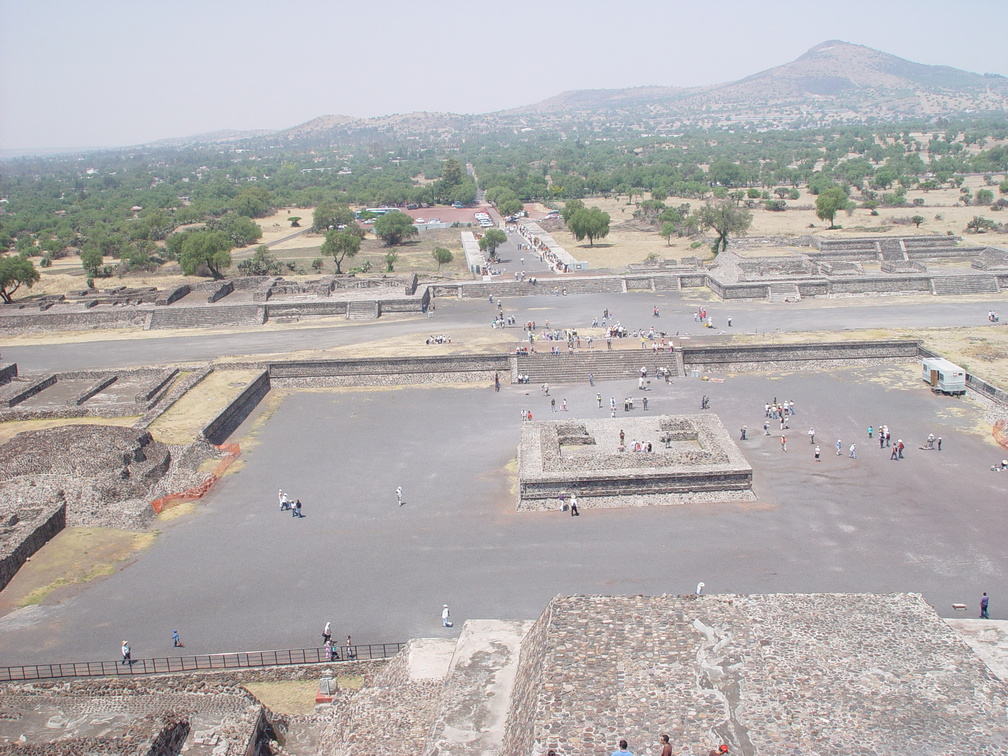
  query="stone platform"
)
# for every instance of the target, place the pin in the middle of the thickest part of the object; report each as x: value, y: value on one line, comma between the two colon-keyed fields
x: 692, y: 458
x: 812, y: 674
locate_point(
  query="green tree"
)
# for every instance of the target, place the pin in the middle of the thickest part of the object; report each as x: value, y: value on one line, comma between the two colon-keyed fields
x: 443, y: 255
x: 984, y: 197
x: 331, y: 215
x: 724, y: 219
x: 295, y: 221
x: 511, y: 206
x: 917, y: 220
x: 262, y: 263
x: 253, y: 202
x: 589, y: 223
x: 393, y: 227
x: 829, y: 203
x: 571, y: 207
x: 1003, y: 187
x: 390, y: 260
x: 340, y: 245
x: 91, y: 259
x: 211, y: 249
x: 15, y: 271
x: 492, y: 239
x: 668, y: 230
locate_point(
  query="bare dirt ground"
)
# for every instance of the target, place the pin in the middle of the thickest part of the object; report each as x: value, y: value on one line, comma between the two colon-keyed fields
x: 295, y: 697
x: 190, y: 414
x: 629, y: 242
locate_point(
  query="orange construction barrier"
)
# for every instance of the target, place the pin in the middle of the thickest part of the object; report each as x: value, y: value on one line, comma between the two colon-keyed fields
x: 1000, y: 433
x: 231, y: 453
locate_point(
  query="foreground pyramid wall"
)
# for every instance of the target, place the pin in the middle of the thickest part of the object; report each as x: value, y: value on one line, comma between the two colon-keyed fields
x: 809, y: 674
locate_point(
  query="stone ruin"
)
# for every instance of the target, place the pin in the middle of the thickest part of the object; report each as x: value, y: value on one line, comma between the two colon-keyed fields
x: 85, y: 476
x: 692, y: 458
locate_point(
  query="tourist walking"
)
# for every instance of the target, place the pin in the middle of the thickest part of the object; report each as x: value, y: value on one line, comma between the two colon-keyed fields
x: 666, y: 747
x: 553, y: 405
x: 591, y: 379
x: 783, y: 443
x: 811, y: 435
x: 126, y: 658
x: 853, y: 453
x: 350, y: 652
x: 743, y: 432
x: 623, y: 751
x: 598, y: 398
x: 766, y: 429
x: 398, y: 491
x: 445, y: 617
x: 574, y: 507
x: 839, y: 446
x: 984, y: 604
x: 176, y: 641
x: 284, y: 502
x: 817, y: 454
x: 327, y: 633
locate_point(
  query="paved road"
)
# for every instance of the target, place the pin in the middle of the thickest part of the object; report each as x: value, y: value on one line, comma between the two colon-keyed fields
x: 633, y: 310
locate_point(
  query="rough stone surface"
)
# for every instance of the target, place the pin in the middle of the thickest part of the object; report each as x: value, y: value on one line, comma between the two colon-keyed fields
x: 772, y: 674
x: 583, y: 457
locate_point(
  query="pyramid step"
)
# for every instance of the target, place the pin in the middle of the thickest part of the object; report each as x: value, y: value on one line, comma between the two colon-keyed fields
x: 477, y: 694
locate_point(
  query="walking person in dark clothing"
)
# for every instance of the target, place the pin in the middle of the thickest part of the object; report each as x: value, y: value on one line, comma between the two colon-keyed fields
x: 984, y: 604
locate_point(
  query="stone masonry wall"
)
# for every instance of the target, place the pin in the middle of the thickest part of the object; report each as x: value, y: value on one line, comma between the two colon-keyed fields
x: 20, y: 539
x: 229, y: 418
x: 519, y: 730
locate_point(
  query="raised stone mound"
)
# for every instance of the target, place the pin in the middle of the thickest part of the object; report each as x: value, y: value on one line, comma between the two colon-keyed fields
x: 108, y: 475
x: 692, y: 458
x: 815, y: 674
x: 108, y: 716
x: 393, y: 711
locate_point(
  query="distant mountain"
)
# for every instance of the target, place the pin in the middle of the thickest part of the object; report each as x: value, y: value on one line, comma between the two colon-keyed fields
x: 833, y: 82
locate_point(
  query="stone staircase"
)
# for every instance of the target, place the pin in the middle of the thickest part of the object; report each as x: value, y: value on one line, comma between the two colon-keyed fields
x: 440, y: 696
x: 477, y: 693
x: 892, y: 250
x: 604, y: 364
x: 223, y: 316
x: 952, y: 285
x: 784, y: 291
x: 362, y: 310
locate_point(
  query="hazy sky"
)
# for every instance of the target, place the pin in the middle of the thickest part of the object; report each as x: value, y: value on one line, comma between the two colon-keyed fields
x: 108, y: 73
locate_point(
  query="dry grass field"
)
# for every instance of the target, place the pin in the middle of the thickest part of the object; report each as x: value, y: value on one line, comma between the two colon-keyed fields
x: 628, y: 242
x: 190, y: 414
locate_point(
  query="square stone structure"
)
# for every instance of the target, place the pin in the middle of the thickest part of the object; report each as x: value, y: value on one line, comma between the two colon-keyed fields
x: 809, y: 674
x: 698, y: 462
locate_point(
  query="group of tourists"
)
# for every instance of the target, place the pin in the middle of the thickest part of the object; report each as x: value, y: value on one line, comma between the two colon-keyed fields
x: 438, y: 339
x: 331, y: 651
x: 286, y: 505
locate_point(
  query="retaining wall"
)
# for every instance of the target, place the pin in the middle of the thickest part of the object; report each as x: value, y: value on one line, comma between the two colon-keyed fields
x: 83, y: 320
x: 27, y: 538
x: 306, y: 309
x: 8, y: 372
x: 754, y: 357
x: 229, y: 418
x: 27, y: 393
x: 381, y: 371
x: 92, y: 390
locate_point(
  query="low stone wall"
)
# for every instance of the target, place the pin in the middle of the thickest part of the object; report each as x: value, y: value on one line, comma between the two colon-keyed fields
x: 309, y: 308
x: 220, y: 292
x: 160, y: 383
x: 81, y: 320
x: 20, y: 539
x: 229, y: 418
x: 95, y: 388
x: 172, y: 295
x: 8, y: 372
x: 882, y: 285
x: 376, y: 371
x: 815, y: 356
x: 30, y: 390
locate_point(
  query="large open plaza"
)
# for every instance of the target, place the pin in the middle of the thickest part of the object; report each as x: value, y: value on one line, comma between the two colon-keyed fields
x: 238, y: 574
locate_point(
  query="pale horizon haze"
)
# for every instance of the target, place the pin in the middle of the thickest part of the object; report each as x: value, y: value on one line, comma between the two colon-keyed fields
x: 77, y: 75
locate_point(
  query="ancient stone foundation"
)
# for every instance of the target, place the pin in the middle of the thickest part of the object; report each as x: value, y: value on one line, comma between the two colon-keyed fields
x: 692, y: 458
